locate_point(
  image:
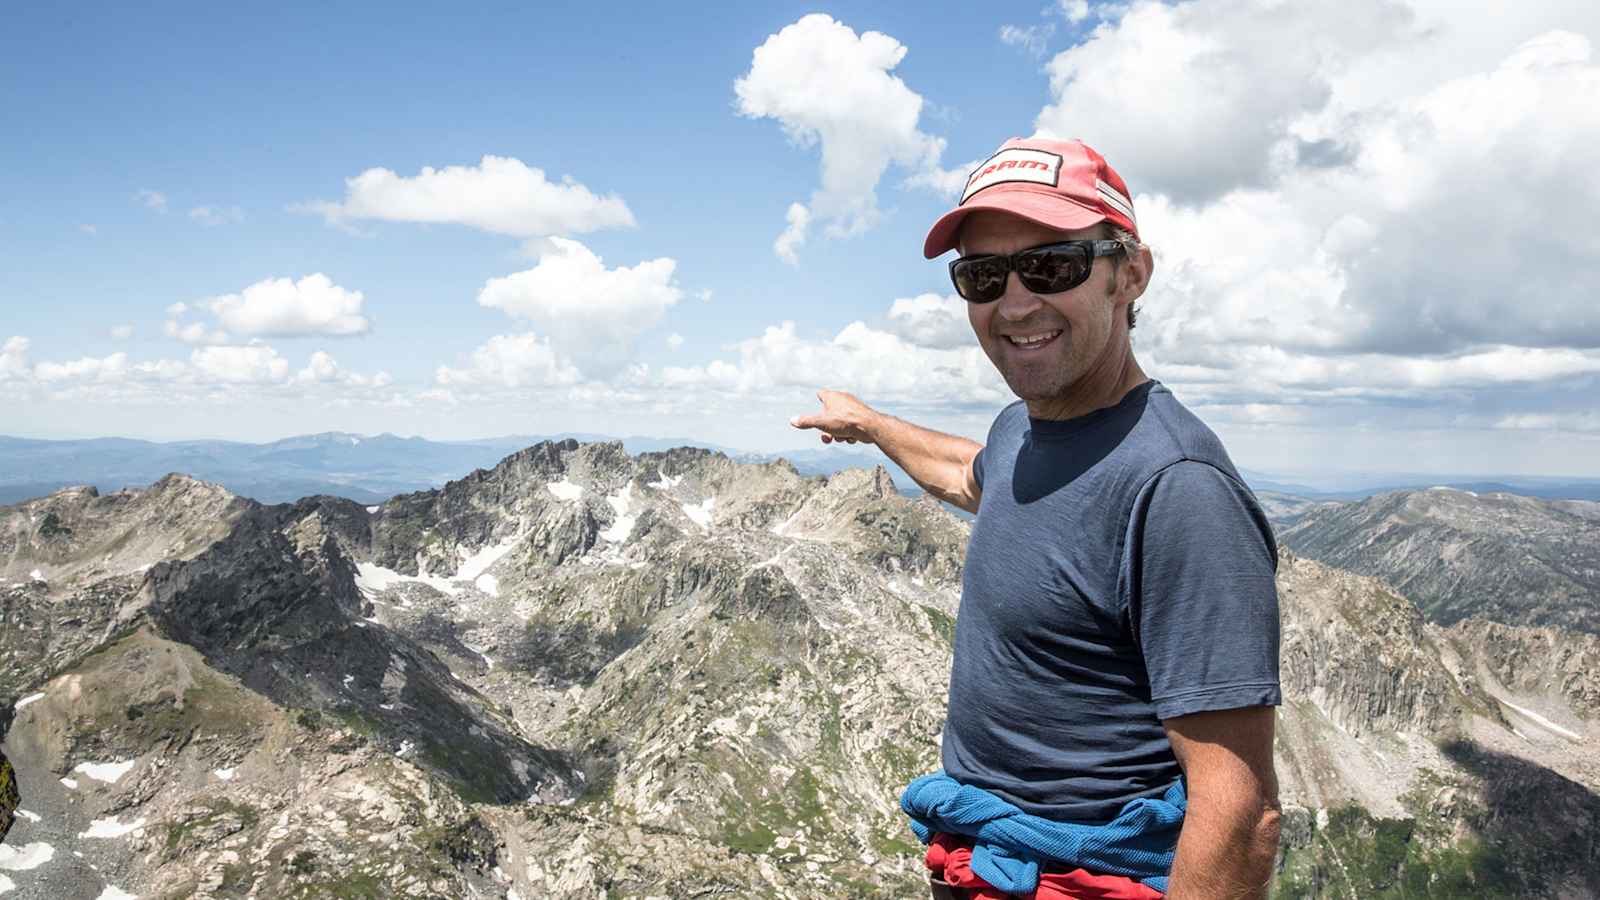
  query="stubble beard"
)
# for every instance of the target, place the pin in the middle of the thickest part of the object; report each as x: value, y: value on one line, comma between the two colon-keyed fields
x: 1044, y: 380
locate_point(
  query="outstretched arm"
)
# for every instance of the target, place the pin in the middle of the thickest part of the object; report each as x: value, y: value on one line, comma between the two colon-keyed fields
x: 1230, y: 831
x: 941, y: 463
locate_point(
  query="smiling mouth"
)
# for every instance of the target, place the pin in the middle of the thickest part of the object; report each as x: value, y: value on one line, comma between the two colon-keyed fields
x: 1033, y: 341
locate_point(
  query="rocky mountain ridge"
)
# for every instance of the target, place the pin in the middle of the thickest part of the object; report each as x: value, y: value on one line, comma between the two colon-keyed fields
x: 1458, y: 554
x: 584, y: 673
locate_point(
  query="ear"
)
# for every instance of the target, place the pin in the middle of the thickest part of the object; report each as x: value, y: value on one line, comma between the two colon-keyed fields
x: 1135, y: 273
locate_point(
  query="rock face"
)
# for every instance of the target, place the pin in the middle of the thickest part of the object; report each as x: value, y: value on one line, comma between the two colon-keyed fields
x: 1362, y: 654
x: 1535, y: 661
x: 72, y: 565
x: 587, y: 674
x: 1416, y: 760
x: 1456, y: 554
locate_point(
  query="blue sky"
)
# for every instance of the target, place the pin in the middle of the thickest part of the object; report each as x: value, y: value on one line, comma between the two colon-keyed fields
x: 183, y: 155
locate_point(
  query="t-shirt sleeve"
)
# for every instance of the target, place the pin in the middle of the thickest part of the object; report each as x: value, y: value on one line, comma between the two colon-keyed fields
x: 994, y: 430
x: 1203, y: 600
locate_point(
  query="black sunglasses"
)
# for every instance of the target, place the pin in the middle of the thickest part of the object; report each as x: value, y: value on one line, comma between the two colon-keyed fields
x: 1045, y: 269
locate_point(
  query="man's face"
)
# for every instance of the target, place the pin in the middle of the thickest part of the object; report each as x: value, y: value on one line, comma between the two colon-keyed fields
x: 1083, y: 323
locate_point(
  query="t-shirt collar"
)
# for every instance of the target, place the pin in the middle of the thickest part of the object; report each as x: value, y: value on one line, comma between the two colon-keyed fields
x: 1059, y: 428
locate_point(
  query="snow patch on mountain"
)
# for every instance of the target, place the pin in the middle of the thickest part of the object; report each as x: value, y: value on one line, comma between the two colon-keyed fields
x: 565, y: 490
x: 373, y: 578
x: 475, y: 564
x: 110, y: 772
x: 1543, y: 722
x: 112, y: 828
x: 29, y: 856
x: 701, y: 512
x: 621, y: 503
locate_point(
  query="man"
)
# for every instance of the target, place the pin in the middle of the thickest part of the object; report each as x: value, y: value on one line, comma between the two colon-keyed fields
x: 1118, y: 626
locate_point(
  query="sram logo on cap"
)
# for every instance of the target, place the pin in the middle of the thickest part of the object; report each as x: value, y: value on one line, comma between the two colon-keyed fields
x: 1015, y: 164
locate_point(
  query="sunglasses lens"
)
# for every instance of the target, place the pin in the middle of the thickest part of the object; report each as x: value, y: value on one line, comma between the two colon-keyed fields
x: 979, y: 280
x: 1053, y: 271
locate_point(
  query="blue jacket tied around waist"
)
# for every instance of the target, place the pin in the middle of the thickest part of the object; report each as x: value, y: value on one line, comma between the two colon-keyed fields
x: 1009, y: 844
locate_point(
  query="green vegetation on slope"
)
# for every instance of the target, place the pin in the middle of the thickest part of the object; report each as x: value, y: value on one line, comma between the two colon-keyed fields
x: 1358, y: 855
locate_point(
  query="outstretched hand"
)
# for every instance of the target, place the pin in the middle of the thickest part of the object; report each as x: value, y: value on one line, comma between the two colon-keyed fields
x: 843, y: 418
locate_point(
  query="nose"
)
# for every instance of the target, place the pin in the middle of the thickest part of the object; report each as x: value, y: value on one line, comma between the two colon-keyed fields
x: 1017, y: 302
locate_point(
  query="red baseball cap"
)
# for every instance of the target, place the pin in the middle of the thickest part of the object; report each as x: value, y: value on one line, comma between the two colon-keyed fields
x: 1063, y: 185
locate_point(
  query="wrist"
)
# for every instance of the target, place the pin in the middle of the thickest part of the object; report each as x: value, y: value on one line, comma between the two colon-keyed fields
x: 873, y: 424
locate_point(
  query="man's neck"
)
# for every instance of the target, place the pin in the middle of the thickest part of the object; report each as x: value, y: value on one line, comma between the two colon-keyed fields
x: 1096, y: 390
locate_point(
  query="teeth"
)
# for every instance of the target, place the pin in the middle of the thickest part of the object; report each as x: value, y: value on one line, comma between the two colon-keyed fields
x: 1033, y: 339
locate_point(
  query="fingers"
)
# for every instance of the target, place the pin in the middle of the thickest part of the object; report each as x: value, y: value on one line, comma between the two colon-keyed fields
x: 824, y: 420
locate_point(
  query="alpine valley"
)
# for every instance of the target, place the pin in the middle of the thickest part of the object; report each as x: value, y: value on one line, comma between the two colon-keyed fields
x: 584, y: 673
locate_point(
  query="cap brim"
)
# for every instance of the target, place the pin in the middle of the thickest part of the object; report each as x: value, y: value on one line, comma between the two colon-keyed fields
x: 1048, y: 209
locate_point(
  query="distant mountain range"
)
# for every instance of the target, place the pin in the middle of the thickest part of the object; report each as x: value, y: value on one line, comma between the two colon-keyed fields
x: 1359, y: 487
x: 373, y: 468
x: 364, y: 468
x: 1459, y: 554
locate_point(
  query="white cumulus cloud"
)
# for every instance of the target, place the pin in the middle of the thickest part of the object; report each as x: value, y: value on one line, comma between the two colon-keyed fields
x: 322, y: 368
x: 14, y: 358
x: 591, y: 312
x: 1397, y: 211
x: 194, y: 332
x: 831, y: 88
x: 511, y: 361
x: 931, y: 320
x: 210, y: 374
x: 109, y: 368
x: 252, y: 364
x: 1195, y: 99
x: 283, y: 307
x: 501, y: 195
x: 1387, y: 254
x: 788, y: 244
x: 874, y: 364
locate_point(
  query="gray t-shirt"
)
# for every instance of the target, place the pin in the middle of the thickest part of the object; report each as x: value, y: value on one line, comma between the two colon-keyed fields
x: 1119, y: 573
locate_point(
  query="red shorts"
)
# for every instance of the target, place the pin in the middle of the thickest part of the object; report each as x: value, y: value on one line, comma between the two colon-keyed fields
x: 950, y: 860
